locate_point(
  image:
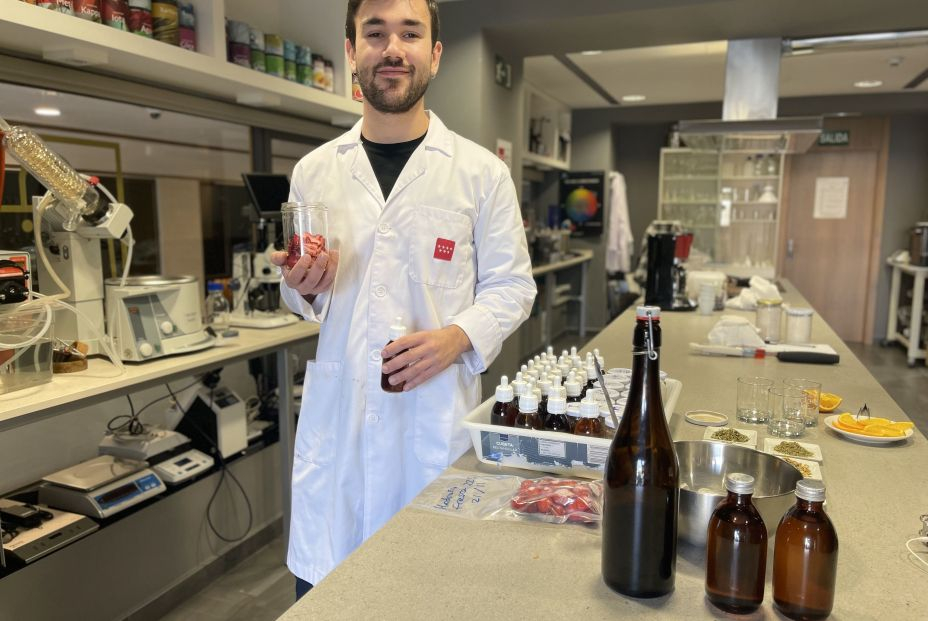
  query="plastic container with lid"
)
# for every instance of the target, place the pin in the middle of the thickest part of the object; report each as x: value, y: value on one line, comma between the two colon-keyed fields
x: 397, y: 330
x: 798, y: 326
x: 589, y: 423
x: 768, y: 319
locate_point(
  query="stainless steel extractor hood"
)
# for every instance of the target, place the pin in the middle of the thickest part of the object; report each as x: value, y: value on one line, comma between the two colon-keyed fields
x: 749, y: 111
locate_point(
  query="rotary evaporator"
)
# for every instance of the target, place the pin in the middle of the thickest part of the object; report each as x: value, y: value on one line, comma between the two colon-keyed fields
x: 71, y: 219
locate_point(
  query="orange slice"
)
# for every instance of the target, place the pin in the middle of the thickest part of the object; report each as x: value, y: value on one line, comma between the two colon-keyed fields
x: 846, y: 420
x: 828, y: 402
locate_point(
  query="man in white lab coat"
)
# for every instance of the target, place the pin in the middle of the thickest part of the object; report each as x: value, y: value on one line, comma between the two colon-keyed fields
x: 424, y: 225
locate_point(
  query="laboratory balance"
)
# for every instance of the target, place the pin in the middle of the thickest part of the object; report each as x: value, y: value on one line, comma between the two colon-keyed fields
x: 51, y: 530
x: 101, y: 487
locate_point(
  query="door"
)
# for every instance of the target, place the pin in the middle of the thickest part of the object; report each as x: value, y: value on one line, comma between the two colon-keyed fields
x: 828, y: 260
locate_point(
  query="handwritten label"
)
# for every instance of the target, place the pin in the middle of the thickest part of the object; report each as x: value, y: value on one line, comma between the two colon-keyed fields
x: 456, y: 497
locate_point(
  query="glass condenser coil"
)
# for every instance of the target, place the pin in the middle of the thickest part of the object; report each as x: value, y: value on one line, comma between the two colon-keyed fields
x: 74, y: 193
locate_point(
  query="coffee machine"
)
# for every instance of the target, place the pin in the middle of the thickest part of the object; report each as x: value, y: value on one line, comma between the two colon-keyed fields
x: 666, y: 282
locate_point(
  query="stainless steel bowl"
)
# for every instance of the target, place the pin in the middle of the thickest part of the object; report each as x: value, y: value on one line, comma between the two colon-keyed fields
x: 703, y: 467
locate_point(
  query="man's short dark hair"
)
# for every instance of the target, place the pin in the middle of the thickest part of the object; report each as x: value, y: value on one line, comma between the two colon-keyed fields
x: 354, y: 5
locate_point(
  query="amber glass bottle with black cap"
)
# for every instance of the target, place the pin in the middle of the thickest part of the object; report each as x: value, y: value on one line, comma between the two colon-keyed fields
x: 736, y: 549
x: 641, y: 491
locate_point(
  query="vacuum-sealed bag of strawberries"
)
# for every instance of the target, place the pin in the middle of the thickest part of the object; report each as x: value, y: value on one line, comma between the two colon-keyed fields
x: 510, y: 498
x: 305, y: 230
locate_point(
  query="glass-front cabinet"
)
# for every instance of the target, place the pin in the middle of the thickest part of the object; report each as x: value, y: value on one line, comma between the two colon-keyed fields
x: 730, y: 199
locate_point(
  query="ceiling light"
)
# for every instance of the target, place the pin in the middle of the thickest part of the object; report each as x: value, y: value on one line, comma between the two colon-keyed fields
x: 633, y: 98
x: 868, y: 83
x: 47, y: 111
x: 591, y: 52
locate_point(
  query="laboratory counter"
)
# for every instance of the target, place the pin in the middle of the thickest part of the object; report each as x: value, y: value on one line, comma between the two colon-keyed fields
x: 423, y: 565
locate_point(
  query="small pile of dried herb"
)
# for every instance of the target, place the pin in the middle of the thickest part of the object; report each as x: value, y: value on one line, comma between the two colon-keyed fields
x: 730, y: 435
x: 793, y: 448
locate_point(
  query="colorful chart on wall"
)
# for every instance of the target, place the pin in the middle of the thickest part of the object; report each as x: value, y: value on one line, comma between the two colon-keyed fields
x: 581, y: 198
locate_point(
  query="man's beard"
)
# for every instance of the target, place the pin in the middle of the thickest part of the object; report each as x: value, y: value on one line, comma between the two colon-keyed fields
x: 389, y: 101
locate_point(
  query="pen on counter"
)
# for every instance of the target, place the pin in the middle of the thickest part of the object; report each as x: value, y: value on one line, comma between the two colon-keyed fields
x: 726, y: 350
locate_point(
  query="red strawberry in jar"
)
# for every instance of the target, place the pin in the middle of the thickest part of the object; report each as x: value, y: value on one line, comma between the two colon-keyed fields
x: 313, y: 245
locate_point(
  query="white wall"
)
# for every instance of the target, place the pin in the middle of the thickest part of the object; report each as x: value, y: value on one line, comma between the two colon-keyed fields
x: 180, y: 232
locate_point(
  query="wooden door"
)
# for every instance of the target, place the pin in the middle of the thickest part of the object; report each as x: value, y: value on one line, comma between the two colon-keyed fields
x: 831, y: 261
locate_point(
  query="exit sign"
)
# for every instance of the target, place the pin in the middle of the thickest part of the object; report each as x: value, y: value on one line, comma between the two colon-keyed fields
x: 834, y: 138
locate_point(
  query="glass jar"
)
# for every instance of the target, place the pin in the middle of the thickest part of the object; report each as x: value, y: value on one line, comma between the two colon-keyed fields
x: 768, y: 319
x: 306, y: 230
x: 798, y: 326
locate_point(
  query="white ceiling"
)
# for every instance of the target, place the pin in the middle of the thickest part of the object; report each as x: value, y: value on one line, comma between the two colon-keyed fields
x: 18, y: 103
x: 695, y: 72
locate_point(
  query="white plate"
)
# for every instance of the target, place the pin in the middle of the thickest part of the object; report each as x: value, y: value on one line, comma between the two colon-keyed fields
x: 814, y: 466
x: 706, y: 418
x: 750, y: 433
x: 830, y: 420
x: 815, y: 449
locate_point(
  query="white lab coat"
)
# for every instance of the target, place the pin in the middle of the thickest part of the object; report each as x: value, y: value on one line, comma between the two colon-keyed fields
x: 362, y: 454
x: 620, y: 241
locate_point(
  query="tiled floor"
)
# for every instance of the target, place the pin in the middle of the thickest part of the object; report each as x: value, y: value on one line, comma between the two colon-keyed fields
x: 260, y: 588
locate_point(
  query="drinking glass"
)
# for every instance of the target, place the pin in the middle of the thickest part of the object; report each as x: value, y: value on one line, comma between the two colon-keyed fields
x: 787, y: 407
x: 753, y: 404
x: 813, y: 395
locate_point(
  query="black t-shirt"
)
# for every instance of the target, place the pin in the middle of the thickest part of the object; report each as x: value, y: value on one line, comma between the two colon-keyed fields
x: 388, y: 160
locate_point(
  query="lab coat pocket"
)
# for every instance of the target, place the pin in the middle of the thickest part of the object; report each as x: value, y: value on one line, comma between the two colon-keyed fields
x: 440, y: 247
x: 435, y: 417
x: 315, y: 434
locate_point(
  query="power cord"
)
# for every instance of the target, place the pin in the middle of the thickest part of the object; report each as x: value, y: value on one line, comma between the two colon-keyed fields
x: 133, y: 426
x: 223, y: 471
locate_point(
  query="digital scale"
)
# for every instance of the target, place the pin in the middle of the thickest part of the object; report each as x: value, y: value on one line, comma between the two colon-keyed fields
x: 30, y: 544
x: 179, y: 468
x: 101, y: 487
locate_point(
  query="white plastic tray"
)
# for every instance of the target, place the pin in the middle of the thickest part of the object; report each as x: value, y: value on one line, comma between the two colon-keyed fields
x: 547, y: 451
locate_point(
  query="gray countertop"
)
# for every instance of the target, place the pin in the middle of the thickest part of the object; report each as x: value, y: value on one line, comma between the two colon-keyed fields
x: 424, y: 566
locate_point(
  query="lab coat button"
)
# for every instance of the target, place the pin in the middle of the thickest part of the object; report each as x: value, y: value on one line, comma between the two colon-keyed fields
x: 373, y: 418
x: 375, y: 355
x: 383, y: 228
x: 380, y: 291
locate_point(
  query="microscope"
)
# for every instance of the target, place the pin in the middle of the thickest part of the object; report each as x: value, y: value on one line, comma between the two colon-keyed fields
x: 255, y: 280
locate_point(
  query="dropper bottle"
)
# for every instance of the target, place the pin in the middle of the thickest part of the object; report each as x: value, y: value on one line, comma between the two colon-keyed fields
x: 397, y: 330
x: 504, y: 410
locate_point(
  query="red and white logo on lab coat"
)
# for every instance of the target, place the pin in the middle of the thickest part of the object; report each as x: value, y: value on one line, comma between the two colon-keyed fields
x: 444, y: 249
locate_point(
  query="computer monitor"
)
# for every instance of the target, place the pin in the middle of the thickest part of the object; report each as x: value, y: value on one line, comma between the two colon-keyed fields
x: 267, y: 192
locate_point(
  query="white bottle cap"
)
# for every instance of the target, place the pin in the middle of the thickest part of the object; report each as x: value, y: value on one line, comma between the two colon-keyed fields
x: 518, y: 385
x: 398, y: 329
x: 556, y: 380
x: 589, y: 408
x: 591, y: 371
x: 573, y: 410
x: 604, y: 412
x: 528, y: 403
x: 563, y: 353
x: 504, y: 392
x: 641, y: 312
x: 550, y: 351
x: 564, y: 368
x: 545, y: 386
x: 573, y: 387
x: 531, y: 364
x: 557, y: 404
x: 582, y: 377
x: 524, y: 370
x: 537, y: 359
x: 573, y: 351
